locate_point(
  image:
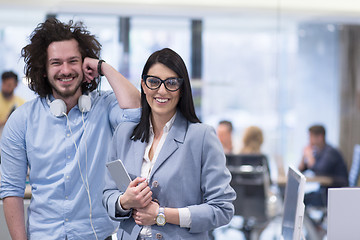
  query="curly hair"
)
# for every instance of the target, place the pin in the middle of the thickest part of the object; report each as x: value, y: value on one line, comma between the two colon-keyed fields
x: 35, y: 53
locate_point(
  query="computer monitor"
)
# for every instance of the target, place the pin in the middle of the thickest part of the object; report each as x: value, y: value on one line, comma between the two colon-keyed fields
x: 293, y: 212
x: 343, y: 213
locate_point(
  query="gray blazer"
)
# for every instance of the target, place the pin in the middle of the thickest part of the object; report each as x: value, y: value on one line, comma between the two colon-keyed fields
x: 190, y: 171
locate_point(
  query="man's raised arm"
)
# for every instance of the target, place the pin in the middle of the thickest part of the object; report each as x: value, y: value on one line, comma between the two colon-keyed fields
x: 126, y: 93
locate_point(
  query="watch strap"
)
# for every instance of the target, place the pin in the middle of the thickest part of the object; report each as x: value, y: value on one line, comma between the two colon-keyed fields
x: 162, y: 210
x: 160, y: 218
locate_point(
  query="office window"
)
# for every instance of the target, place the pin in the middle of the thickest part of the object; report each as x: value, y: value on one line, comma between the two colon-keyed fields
x: 254, y: 73
x: 16, y: 26
x: 282, y: 81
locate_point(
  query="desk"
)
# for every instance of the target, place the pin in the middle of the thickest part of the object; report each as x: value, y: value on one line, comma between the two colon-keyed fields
x: 322, y: 180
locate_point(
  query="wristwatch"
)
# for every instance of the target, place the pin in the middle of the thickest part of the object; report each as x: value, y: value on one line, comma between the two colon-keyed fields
x: 160, y: 218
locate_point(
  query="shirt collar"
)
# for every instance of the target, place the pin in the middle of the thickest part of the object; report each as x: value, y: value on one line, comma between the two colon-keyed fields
x: 167, y: 126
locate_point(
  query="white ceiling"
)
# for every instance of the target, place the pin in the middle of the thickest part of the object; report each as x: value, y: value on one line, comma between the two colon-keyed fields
x: 309, y: 8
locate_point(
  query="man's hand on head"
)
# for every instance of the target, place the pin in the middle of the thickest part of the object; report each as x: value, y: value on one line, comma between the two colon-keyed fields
x: 90, y: 69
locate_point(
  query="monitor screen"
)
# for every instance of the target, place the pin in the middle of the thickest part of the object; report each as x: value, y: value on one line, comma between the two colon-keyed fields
x: 293, y: 213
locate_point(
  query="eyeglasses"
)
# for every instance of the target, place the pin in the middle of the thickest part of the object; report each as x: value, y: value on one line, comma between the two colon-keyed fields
x: 172, y: 84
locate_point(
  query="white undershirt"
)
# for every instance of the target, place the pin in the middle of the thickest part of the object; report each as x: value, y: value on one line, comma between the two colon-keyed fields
x: 146, y: 168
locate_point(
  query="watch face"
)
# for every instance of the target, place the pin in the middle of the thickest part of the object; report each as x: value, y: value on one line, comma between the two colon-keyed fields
x: 160, y: 220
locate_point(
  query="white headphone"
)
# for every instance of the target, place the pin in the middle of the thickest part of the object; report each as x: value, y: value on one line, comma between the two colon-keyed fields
x: 58, y: 106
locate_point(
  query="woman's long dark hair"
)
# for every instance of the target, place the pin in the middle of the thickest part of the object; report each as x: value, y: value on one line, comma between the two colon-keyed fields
x: 173, y: 61
x: 35, y: 53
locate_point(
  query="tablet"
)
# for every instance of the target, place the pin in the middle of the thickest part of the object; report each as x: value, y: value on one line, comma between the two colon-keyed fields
x: 119, y: 174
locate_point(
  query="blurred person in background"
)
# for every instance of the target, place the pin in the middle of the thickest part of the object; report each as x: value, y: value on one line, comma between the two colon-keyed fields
x: 224, y: 133
x: 252, y: 140
x: 322, y: 160
x: 8, y: 100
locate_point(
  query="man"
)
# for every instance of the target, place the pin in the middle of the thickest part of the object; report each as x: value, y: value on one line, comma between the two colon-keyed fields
x: 8, y: 100
x: 224, y: 132
x: 62, y: 136
x: 323, y: 160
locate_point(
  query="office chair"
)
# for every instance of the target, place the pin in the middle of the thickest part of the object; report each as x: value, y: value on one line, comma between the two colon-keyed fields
x: 251, y: 181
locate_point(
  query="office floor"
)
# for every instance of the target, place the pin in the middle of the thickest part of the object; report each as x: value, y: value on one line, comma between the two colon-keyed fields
x: 231, y: 231
x: 271, y: 232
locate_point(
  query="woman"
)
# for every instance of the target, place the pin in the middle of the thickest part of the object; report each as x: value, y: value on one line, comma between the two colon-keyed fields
x: 182, y: 186
x: 252, y: 140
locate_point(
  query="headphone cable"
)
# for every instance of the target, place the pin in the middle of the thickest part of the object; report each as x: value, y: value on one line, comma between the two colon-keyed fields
x: 85, y: 183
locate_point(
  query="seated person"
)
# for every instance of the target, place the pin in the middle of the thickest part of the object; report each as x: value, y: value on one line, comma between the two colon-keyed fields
x: 252, y: 140
x: 323, y: 160
x: 224, y: 133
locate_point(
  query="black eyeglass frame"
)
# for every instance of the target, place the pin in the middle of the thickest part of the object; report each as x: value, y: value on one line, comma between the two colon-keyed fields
x: 180, y: 80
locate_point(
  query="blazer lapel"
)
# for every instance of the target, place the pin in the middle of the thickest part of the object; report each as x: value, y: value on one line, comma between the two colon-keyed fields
x: 174, y: 138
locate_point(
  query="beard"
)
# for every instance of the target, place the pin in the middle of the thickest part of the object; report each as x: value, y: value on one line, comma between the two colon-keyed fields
x: 7, y: 95
x: 67, y: 92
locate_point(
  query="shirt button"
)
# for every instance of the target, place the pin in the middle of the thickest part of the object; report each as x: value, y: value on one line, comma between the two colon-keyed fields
x: 155, y: 184
x: 68, y: 157
x: 68, y: 135
x: 159, y: 236
x: 66, y: 197
x: 66, y: 219
x: 67, y: 177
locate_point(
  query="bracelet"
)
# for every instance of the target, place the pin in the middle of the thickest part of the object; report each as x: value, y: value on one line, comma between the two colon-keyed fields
x: 99, y: 67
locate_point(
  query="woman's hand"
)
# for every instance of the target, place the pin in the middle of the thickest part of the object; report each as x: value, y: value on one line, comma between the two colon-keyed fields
x: 137, y: 195
x: 146, y: 215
